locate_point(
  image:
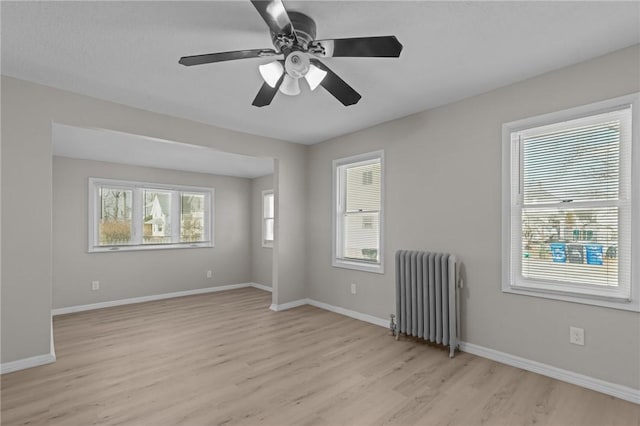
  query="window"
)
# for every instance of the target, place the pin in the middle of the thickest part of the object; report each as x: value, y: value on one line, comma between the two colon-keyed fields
x: 367, y: 177
x: 568, y: 208
x: 127, y: 215
x: 367, y: 222
x: 268, y: 217
x: 358, y: 202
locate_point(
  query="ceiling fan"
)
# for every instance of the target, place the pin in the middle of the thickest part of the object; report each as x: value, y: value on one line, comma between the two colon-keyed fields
x: 293, y: 35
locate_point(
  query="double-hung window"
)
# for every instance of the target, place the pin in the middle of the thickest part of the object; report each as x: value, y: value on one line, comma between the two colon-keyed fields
x: 358, y: 208
x: 125, y: 215
x: 268, y: 218
x: 570, y: 204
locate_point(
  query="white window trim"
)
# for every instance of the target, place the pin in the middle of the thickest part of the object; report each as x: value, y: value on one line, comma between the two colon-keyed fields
x: 265, y: 243
x: 137, y: 186
x: 569, y: 114
x: 336, y: 239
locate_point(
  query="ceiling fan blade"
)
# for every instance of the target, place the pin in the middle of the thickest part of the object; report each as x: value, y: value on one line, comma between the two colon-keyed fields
x: 372, y: 47
x: 337, y: 86
x: 267, y: 93
x: 225, y: 56
x: 276, y: 17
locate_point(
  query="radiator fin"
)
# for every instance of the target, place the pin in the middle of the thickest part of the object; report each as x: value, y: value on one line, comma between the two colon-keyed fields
x: 426, y: 296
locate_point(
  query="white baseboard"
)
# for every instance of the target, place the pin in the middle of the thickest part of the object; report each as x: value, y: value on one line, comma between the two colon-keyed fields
x: 342, y: 311
x: 289, y: 305
x: 619, y: 391
x: 261, y: 287
x: 34, y: 361
x: 21, y: 364
x: 100, y: 305
x: 349, y: 313
x: 52, y: 347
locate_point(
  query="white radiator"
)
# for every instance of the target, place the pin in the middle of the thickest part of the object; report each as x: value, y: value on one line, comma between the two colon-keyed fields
x: 427, y: 297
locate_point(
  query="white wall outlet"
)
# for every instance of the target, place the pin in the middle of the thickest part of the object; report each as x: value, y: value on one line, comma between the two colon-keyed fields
x: 576, y: 336
x: 209, y: 273
x: 95, y: 285
x: 353, y: 288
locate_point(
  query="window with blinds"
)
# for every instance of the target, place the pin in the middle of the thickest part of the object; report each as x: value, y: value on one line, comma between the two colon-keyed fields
x: 268, y: 218
x: 358, y: 213
x: 570, y: 196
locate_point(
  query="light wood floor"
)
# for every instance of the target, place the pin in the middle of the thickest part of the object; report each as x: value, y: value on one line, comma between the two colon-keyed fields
x: 225, y: 359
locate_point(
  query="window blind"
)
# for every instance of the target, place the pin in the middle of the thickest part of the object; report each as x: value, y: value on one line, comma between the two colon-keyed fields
x: 361, y: 221
x: 571, y: 225
x: 268, y: 214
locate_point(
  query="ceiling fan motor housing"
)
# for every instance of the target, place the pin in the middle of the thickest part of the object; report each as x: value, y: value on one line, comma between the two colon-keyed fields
x: 305, y: 29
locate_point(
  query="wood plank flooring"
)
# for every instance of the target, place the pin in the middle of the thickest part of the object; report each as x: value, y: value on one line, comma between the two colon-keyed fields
x: 226, y: 359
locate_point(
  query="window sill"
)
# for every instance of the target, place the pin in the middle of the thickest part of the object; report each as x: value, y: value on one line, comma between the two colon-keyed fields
x: 116, y: 249
x: 376, y: 268
x: 621, y: 304
x: 267, y: 245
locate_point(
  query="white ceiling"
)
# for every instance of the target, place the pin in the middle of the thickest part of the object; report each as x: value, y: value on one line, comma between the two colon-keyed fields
x: 125, y: 148
x: 128, y: 52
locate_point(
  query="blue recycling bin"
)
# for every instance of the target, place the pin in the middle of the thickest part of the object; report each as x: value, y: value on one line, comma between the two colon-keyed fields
x: 594, y: 254
x: 558, y: 252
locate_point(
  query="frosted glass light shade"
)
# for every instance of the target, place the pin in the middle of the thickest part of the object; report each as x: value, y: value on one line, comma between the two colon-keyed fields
x: 290, y: 86
x: 315, y: 76
x: 271, y: 72
x: 297, y: 64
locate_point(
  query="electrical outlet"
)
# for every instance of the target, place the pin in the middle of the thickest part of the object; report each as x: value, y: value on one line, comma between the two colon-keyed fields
x: 353, y: 288
x: 576, y: 336
x: 95, y: 285
x: 209, y: 273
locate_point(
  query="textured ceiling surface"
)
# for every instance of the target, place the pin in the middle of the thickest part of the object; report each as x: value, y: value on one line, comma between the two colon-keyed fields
x: 128, y: 52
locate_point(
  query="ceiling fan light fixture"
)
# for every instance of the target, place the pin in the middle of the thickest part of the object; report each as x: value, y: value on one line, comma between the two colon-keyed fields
x: 271, y: 72
x: 290, y: 86
x: 293, y: 35
x: 315, y: 76
x: 297, y: 64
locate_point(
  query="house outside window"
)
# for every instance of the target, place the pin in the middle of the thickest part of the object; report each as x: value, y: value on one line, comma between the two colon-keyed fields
x: 367, y: 177
x: 126, y: 215
x: 367, y: 222
x: 570, y: 217
x: 358, y: 212
x: 268, y: 218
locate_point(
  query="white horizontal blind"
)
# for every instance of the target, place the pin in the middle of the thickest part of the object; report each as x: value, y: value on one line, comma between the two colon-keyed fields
x: 361, y: 215
x: 571, y: 225
x: 268, y: 215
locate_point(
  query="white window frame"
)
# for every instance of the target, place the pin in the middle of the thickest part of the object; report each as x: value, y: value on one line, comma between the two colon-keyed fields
x: 267, y: 243
x: 138, y: 189
x: 509, y: 283
x: 338, y: 196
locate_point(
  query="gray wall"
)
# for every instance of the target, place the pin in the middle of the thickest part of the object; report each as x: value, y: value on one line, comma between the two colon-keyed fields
x: 458, y: 145
x: 27, y: 113
x: 261, y: 257
x: 443, y: 192
x: 142, y: 273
